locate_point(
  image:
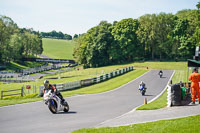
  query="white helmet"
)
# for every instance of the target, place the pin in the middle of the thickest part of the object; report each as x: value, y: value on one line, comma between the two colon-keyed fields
x: 46, y: 82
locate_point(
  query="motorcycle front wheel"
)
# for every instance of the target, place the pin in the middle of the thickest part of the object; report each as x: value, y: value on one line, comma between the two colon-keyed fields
x: 143, y: 93
x: 52, y: 106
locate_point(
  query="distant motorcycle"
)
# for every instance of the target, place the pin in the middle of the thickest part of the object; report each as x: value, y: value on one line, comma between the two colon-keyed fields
x: 142, y: 89
x: 161, y: 74
x: 54, y: 102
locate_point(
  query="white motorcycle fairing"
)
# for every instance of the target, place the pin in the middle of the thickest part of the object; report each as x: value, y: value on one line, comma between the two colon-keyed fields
x: 54, y: 102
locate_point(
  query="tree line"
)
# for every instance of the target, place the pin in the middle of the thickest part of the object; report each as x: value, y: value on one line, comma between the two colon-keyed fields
x: 16, y: 43
x: 58, y: 35
x: 150, y: 37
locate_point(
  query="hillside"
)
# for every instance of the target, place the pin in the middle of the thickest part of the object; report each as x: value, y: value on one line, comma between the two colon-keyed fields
x: 58, y: 49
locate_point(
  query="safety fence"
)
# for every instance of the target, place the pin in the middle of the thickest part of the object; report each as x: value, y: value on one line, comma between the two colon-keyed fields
x: 16, y: 93
x: 39, y: 69
x: 87, y: 82
x: 27, y: 89
x: 28, y: 71
x: 7, y: 72
x: 15, y: 81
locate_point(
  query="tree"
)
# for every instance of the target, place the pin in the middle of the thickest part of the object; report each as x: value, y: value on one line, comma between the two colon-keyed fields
x: 198, y: 5
x: 60, y: 35
x: 80, y: 49
x: 75, y: 36
x: 147, y: 34
x: 191, y: 38
x: 68, y: 37
x: 180, y: 36
x: 124, y: 33
x: 93, y: 49
x: 165, y: 24
x: 16, y: 47
x: 7, y: 29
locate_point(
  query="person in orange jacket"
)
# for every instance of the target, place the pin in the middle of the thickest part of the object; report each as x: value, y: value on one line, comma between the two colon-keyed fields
x: 195, y: 78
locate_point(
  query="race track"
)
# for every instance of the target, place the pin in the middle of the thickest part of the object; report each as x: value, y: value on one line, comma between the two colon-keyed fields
x: 86, y: 111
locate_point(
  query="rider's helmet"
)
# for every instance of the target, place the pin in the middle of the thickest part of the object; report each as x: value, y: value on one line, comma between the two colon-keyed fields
x: 46, y: 83
x: 141, y: 82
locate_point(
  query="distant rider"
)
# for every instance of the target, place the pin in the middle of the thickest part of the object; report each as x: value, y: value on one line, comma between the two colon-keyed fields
x: 160, y: 72
x: 142, y: 85
x: 48, y: 86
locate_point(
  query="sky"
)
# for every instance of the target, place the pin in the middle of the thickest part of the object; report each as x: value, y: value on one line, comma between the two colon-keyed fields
x: 78, y: 16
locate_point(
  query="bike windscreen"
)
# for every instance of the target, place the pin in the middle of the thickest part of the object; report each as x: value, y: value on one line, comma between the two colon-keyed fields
x: 141, y: 87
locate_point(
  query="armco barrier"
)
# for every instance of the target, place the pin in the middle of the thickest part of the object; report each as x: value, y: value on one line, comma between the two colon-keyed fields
x: 98, y: 80
x: 86, y: 82
x: 71, y: 85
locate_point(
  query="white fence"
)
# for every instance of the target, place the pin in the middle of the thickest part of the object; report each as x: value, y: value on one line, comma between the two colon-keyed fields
x: 86, y: 82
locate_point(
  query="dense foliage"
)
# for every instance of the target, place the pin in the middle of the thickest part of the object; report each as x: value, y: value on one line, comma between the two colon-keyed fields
x: 57, y: 35
x: 150, y: 37
x: 16, y: 43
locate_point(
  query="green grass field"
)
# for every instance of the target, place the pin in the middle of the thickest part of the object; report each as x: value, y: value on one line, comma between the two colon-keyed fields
x: 58, y: 49
x: 181, y: 125
x: 161, y: 65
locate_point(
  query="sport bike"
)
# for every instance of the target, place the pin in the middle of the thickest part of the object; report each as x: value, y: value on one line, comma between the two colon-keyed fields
x: 142, y: 89
x: 54, y: 102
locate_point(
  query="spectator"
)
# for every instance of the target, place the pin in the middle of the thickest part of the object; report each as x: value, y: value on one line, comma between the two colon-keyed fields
x: 195, y: 78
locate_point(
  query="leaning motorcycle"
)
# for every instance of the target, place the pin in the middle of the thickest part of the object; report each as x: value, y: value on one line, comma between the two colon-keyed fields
x: 161, y: 74
x: 142, y: 90
x: 54, y: 102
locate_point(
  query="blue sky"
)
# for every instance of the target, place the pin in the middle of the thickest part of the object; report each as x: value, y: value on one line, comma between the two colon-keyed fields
x: 78, y: 16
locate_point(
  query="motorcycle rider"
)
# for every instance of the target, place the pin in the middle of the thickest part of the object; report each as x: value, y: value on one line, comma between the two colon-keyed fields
x: 160, y: 72
x: 142, y: 85
x: 48, y: 86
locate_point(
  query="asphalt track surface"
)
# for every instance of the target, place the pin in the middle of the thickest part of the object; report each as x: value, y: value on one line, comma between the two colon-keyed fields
x: 86, y: 111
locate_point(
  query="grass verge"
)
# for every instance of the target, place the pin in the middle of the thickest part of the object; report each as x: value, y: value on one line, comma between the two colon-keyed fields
x: 181, y: 125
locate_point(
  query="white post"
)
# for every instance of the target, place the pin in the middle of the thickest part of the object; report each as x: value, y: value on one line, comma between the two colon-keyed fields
x: 197, y: 51
x: 169, y: 98
x: 1, y: 93
x: 187, y: 74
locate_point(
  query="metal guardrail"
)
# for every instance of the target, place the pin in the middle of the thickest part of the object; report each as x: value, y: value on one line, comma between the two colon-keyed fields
x: 49, y: 60
x: 15, y: 81
x: 30, y: 70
